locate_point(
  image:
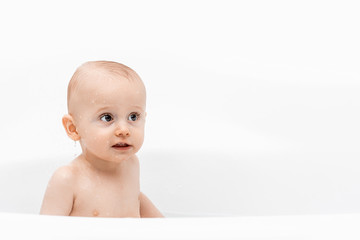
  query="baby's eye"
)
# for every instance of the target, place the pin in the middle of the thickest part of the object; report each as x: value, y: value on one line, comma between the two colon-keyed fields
x: 133, y: 117
x: 106, y: 117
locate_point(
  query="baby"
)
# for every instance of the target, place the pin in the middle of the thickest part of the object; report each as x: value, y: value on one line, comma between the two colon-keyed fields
x: 106, y: 114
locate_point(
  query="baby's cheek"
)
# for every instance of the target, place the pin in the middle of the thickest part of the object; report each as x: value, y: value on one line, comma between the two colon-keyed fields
x: 140, y: 138
x: 93, y: 139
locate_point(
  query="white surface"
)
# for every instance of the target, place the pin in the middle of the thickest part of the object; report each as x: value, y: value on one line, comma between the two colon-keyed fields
x: 289, y: 227
x: 273, y: 84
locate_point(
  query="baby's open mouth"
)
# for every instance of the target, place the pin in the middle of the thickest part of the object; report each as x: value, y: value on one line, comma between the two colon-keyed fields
x: 121, y: 146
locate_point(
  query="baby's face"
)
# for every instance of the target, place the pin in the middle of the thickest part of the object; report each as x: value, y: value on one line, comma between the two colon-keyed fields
x: 109, y: 114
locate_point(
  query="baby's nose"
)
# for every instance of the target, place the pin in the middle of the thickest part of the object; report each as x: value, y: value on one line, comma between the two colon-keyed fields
x: 122, y: 130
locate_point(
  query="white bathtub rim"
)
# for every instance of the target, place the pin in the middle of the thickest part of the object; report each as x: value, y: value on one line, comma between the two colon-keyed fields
x: 334, y: 226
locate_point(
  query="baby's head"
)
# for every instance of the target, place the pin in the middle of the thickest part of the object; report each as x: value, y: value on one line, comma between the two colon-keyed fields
x: 106, y: 110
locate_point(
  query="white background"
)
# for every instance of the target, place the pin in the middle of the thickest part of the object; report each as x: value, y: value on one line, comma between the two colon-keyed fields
x: 250, y: 76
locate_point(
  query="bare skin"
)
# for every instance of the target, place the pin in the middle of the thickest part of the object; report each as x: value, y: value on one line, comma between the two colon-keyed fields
x: 107, y: 116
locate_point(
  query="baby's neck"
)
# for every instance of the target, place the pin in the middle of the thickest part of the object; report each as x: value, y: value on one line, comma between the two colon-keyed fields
x: 100, y: 165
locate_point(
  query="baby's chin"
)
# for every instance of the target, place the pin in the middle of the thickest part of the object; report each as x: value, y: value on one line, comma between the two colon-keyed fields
x: 121, y: 158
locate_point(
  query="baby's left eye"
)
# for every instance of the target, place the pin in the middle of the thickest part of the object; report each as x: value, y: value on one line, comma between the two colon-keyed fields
x: 133, y: 117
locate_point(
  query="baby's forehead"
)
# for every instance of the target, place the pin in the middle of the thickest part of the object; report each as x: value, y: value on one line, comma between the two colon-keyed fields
x: 92, y: 78
x: 100, y: 84
x: 99, y: 78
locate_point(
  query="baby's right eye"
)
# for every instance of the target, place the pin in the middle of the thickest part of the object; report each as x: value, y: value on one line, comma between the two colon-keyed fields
x: 106, y: 117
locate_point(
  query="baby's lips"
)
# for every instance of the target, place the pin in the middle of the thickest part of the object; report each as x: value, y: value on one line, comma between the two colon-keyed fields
x: 121, y: 144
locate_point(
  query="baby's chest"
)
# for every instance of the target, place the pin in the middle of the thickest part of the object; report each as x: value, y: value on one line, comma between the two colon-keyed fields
x: 114, y: 199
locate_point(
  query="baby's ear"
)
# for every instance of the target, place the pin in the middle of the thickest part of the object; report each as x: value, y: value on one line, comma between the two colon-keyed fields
x: 70, y: 128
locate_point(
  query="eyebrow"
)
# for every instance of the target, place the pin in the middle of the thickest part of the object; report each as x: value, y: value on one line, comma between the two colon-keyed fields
x: 139, y: 108
x: 106, y: 107
x: 102, y: 109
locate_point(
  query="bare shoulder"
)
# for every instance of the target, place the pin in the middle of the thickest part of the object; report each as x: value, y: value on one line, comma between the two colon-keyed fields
x: 64, y: 174
x: 147, y: 208
x: 63, y: 179
x: 58, y: 198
